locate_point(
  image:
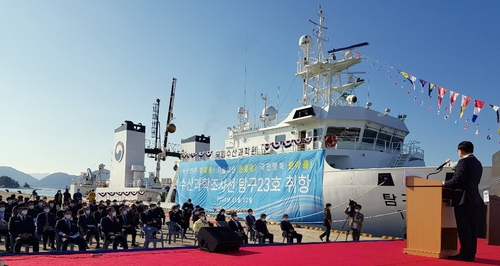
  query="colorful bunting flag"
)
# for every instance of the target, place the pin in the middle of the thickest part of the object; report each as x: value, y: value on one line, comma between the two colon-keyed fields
x: 495, y: 108
x: 431, y: 87
x: 412, y: 80
x: 441, y: 92
x: 477, y: 108
x: 422, y: 82
x: 465, y: 102
x: 453, y: 98
x: 404, y: 74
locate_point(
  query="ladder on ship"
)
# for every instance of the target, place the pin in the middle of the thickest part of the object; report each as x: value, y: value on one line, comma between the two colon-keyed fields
x: 402, y: 160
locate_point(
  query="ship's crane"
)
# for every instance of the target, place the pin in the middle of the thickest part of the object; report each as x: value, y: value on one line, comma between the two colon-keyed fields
x: 158, y: 153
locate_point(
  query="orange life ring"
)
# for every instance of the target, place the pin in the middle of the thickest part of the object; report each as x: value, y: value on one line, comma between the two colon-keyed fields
x: 330, y: 141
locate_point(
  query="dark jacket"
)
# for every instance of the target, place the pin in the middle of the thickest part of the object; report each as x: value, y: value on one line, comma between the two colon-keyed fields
x: 176, y: 217
x: 286, y: 226
x: 85, y: 220
x: 109, y: 226
x: 235, y: 226
x: 18, y: 227
x: 327, y: 220
x: 250, y: 221
x: 127, y: 220
x: 41, y: 221
x: 98, y: 216
x: 62, y: 226
x: 261, y: 227
x: 465, y: 182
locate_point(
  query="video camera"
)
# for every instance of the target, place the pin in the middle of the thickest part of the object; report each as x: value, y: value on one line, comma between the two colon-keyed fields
x: 352, y: 206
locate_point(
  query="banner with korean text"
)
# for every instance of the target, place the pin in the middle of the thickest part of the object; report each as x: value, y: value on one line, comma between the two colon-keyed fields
x: 272, y: 184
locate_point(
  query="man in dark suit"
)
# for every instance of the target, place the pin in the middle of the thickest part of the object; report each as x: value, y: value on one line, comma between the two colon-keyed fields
x: 155, y: 216
x: 100, y: 213
x: 69, y: 232
x: 89, y: 225
x: 127, y: 224
x: 235, y: 225
x: 145, y: 216
x: 250, y: 223
x: 466, y: 200
x: 327, y: 222
x: 46, y: 226
x: 4, y: 224
x: 22, y: 229
x: 175, y: 215
x: 112, y: 229
x: 262, y: 232
x: 287, y: 227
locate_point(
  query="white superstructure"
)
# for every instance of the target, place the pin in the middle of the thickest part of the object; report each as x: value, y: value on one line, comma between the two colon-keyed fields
x: 366, y: 152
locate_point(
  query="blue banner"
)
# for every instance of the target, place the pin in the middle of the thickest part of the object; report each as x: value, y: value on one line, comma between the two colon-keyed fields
x: 290, y: 183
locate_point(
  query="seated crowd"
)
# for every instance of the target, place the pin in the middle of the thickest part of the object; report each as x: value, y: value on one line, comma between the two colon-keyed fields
x: 68, y: 220
x: 256, y: 228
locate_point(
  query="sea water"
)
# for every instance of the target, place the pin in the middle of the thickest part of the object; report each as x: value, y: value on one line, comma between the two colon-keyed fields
x: 51, y: 192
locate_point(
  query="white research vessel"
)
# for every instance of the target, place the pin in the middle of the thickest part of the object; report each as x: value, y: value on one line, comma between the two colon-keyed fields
x: 363, y: 154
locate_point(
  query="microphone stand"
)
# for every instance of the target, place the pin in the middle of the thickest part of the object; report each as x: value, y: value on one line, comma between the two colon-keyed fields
x: 437, y: 172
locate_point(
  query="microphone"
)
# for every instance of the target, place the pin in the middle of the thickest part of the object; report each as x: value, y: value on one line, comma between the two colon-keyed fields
x: 441, y: 166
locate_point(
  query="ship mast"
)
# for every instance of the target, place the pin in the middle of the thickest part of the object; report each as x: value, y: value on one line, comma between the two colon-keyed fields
x: 326, y: 81
x: 156, y: 152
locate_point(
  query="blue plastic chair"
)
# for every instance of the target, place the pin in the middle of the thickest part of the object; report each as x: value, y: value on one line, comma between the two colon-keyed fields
x: 175, y: 230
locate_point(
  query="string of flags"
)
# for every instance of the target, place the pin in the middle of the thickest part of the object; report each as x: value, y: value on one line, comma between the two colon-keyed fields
x: 429, y: 88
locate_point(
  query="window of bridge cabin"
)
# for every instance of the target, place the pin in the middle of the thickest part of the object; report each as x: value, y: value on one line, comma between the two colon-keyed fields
x: 384, y: 139
x: 280, y: 137
x: 369, y: 136
x: 397, y: 142
x: 344, y: 133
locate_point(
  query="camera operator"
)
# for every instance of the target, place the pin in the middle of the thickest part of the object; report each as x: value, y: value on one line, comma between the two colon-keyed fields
x: 356, y: 219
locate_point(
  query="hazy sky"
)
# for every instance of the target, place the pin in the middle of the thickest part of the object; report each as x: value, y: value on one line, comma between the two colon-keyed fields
x: 72, y: 71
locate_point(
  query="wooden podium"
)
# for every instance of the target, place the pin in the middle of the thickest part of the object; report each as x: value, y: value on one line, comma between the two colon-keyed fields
x: 493, y: 216
x: 430, y: 221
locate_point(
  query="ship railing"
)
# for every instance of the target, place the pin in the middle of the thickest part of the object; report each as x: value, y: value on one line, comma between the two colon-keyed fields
x: 413, y: 148
x: 317, y: 143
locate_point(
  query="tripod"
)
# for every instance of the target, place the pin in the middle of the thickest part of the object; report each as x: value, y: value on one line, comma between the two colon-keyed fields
x: 342, y: 229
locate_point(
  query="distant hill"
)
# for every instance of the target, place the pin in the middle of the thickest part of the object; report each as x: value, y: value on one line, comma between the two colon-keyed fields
x: 56, y: 180
x: 39, y: 176
x: 19, y: 176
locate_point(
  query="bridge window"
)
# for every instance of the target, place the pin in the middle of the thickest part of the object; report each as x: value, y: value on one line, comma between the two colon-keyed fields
x: 397, y: 142
x: 280, y: 137
x: 304, y: 112
x: 383, y: 139
x: 369, y: 136
x: 344, y: 133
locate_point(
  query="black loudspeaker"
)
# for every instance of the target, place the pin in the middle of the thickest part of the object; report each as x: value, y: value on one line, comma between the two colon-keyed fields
x: 218, y: 239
